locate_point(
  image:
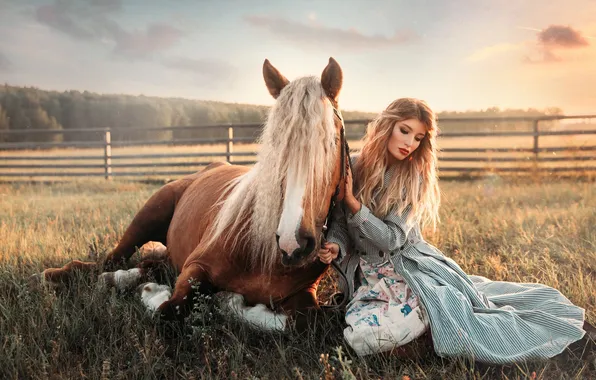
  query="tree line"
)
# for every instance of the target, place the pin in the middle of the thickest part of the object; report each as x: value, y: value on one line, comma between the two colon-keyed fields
x: 26, y: 108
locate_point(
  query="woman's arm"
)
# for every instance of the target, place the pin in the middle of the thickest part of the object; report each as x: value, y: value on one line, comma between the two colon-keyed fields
x: 387, y: 234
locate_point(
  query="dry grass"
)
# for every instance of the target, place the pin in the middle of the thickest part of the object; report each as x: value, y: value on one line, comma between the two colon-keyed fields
x: 503, y: 229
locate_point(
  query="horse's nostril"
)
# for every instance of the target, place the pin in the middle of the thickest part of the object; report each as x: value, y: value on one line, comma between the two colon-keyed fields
x: 310, y: 245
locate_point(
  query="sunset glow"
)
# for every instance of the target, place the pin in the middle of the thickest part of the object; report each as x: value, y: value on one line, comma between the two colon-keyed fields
x: 458, y: 55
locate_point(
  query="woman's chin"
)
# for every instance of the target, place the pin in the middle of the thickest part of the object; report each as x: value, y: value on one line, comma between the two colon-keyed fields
x: 398, y: 156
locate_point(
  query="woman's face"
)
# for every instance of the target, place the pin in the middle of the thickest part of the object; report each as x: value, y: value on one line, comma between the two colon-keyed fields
x: 405, y: 138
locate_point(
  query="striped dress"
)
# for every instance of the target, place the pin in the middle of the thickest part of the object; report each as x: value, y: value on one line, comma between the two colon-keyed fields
x: 495, y: 322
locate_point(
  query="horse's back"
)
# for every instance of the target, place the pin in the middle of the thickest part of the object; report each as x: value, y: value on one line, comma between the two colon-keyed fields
x: 194, y: 210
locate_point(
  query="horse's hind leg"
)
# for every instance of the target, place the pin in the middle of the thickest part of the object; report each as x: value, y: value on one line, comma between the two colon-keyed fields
x: 149, y: 224
x: 152, y: 221
x: 154, y: 265
x: 59, y: 277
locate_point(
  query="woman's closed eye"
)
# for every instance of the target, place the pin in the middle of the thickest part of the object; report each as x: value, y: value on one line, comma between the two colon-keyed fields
x: 405, y: 132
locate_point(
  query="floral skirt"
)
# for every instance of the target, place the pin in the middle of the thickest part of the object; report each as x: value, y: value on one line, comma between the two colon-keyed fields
x: 384, y: 312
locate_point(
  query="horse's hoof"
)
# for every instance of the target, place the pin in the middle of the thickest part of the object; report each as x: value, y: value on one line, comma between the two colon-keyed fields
x: 171, y: 311
x: 36, y: 280
x: 154, y: 295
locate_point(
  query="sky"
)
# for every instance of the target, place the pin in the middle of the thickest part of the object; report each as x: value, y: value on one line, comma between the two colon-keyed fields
x: 457, y: 55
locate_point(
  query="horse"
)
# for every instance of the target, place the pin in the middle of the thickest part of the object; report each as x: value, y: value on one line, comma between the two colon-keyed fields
x: 253, y: 231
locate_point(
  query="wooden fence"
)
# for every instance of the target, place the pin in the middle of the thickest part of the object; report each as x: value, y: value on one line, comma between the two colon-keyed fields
x: 483, y: 145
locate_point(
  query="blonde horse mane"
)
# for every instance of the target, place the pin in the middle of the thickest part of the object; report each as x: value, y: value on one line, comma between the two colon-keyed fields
x: 297, y: 146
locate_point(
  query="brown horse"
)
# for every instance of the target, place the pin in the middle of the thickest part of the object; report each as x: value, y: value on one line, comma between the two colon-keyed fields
x: 252, y: 231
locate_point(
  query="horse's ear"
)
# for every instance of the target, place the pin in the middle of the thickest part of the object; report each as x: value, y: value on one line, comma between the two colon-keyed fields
x: 332, y: 79
x: 273, y: 79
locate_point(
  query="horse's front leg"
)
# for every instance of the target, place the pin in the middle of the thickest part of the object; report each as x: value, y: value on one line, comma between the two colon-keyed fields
x: 299, y: 312
x: 259, y: 316
x: 179, y: 305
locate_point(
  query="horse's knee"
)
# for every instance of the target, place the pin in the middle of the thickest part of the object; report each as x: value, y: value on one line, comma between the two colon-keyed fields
x: 179, y: 305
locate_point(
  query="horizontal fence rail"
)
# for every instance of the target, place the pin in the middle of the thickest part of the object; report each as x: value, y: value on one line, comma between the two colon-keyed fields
x: 130, y: 152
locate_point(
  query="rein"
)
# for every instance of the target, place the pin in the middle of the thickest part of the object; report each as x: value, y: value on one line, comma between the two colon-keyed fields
x: 346, y: 165
x: 345, y: 158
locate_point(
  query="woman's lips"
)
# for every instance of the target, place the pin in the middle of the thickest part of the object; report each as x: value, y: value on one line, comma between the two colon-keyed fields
x: 404, y: 151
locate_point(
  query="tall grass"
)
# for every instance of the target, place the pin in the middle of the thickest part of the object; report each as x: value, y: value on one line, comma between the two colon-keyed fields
x: 503, y: 229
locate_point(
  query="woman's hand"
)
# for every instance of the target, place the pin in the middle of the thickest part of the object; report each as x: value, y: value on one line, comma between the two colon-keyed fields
x: 328, y: 252
x: 349, y: 198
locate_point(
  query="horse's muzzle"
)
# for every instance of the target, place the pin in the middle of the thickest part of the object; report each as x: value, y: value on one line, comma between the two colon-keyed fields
x: 307, y: 246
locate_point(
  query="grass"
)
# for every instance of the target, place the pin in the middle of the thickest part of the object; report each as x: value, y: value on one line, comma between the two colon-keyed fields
x: 505, y: 229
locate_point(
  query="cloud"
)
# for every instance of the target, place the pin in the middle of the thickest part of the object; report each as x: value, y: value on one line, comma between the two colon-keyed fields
x: 315, y: 35
x: 5, y: 63
x: 90, y: 20
x: 58, y: 17
x: 143, y: 43
x: 492, y: 51
x: 553, y: 44
x: 558, y: 36
x: 205, y: 71
x: 552, y: 41
x: 106, y: 5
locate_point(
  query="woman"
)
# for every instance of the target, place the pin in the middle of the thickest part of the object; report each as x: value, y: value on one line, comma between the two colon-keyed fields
x: 408, y: 286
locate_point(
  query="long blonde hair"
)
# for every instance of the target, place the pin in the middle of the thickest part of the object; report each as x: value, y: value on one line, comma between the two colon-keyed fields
x: 414, y: 182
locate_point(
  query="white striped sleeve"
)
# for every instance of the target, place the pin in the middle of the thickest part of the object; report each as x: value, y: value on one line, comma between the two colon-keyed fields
x: 388, y: 234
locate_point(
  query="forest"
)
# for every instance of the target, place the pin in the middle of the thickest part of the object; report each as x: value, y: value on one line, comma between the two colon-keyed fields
x: 26, y: 108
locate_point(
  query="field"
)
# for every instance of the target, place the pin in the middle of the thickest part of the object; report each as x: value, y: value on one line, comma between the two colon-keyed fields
x: 505, y: 229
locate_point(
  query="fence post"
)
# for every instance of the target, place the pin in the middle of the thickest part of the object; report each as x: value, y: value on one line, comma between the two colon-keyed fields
x: 230, y: 144
x: 108, y: 154
x: 536, y: 132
